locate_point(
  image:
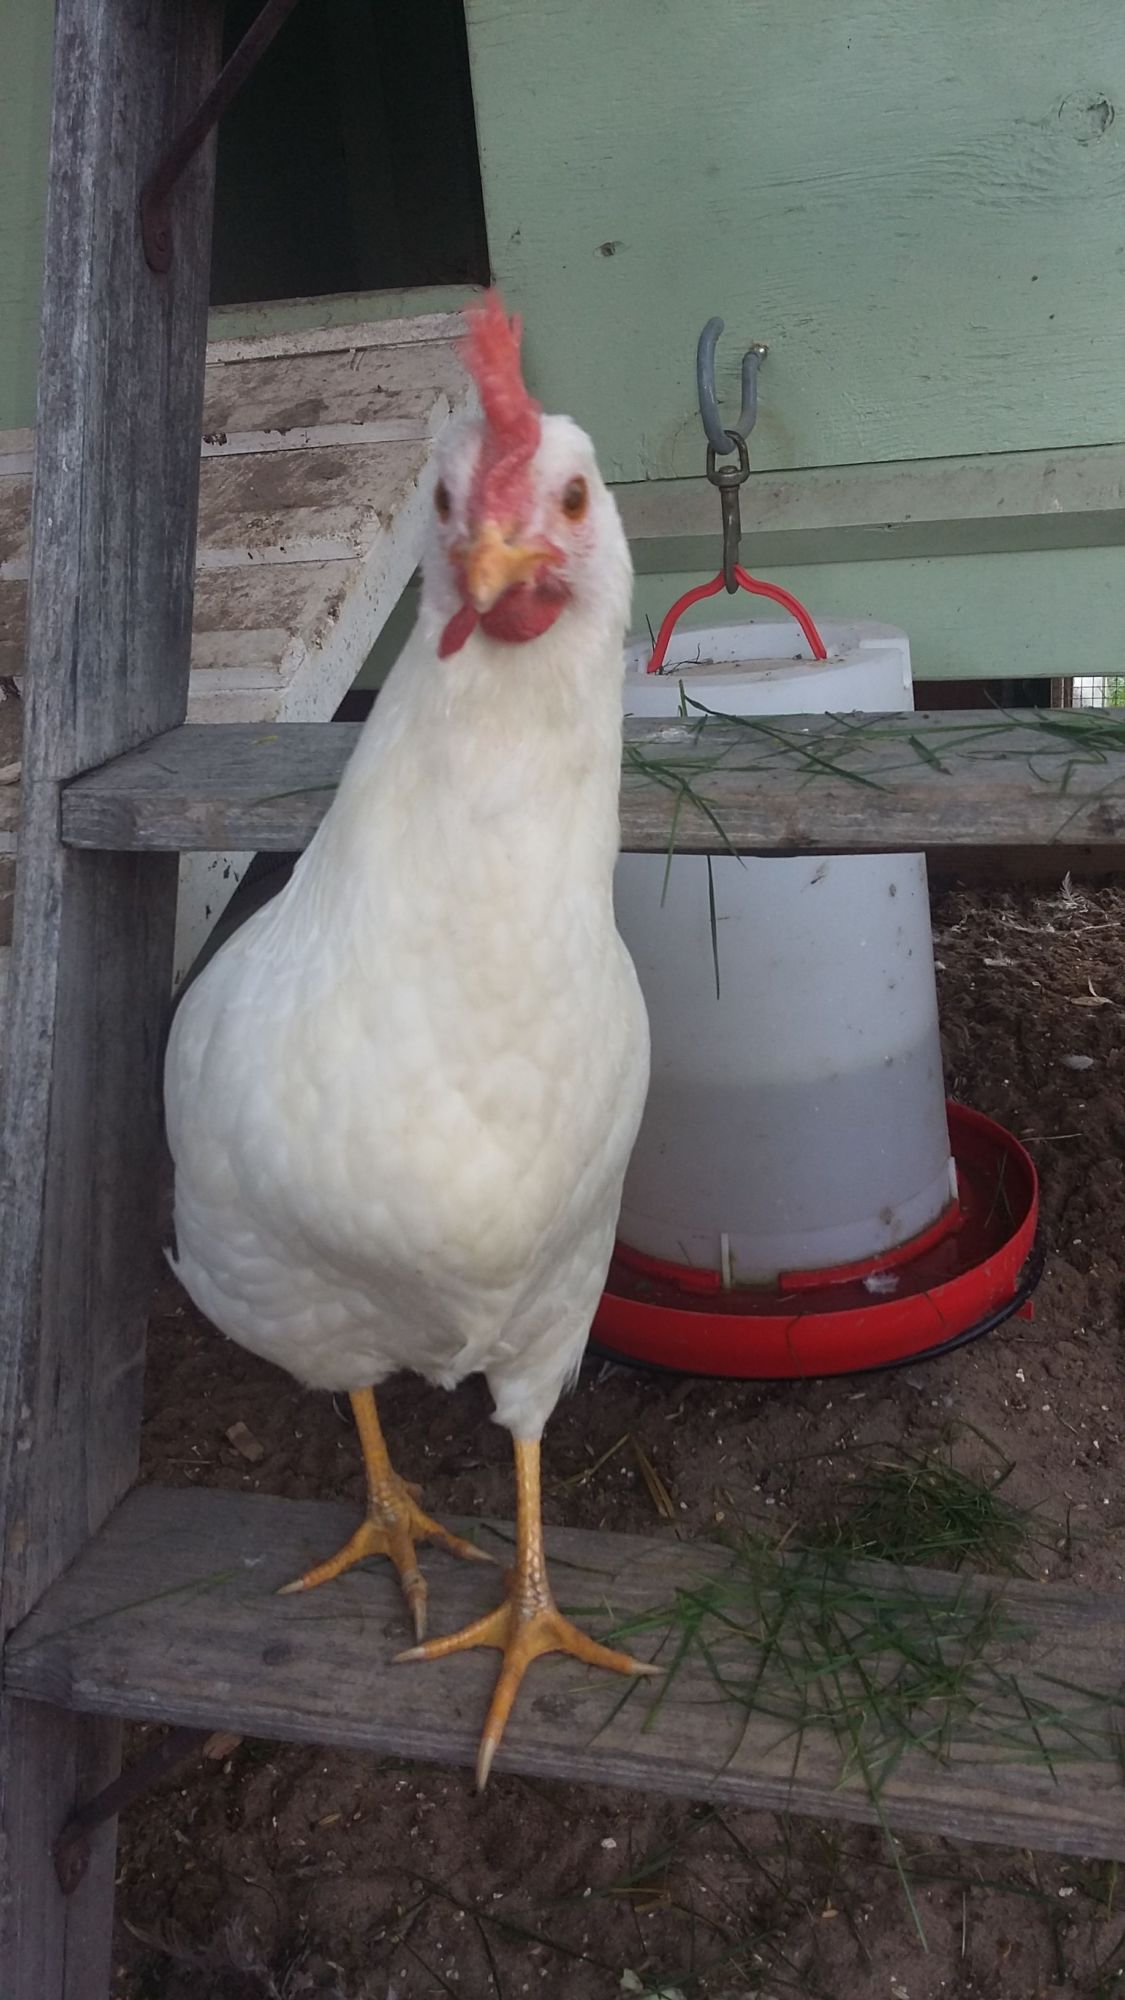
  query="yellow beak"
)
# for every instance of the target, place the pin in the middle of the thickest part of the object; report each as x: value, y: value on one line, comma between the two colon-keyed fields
x: 493, y: 563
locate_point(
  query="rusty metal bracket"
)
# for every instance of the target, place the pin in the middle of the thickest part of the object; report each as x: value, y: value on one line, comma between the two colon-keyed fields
x: 156, y: 223
x: 71, y: 1851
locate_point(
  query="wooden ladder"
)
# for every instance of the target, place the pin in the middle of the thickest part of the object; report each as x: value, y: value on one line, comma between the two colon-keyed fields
x: 159, y: 1606
x: 121, y: 377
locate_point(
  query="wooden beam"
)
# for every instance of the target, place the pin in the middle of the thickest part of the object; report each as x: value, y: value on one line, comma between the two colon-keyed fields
x: 171, y: 1616
x: 113, y: 545
x: 990, y: 505
x: 1023, y: 867
x: 802, y: 784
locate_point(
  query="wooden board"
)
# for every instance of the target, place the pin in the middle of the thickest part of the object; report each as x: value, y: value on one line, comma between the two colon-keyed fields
x: 312, y: 494
x: 312, y: 489
x: 171, y: 1616
x: 1040, y: 613
x: 11, y: 748
x: 109, y: 623
x: 342, y: 382
x: 906, y: 783
x: 987, y: 505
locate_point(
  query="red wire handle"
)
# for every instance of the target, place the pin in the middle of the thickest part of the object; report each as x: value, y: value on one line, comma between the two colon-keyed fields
x: 759, y: 589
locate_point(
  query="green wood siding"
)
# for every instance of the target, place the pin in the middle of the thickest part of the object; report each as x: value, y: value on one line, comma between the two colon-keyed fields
x: 25, y: 107
x: 968, y: 617
x: 920, y: 208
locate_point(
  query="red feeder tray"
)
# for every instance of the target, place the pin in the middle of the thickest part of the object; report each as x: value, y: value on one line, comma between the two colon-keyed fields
x: 953, y: 1284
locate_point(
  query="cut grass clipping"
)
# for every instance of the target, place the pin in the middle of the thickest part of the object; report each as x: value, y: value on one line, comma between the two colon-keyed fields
x: 871, y: 1662
x: 869, y: 751
x: 919, y: 1508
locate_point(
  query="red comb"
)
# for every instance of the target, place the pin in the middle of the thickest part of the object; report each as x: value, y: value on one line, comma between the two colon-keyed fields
x: 491, y: 352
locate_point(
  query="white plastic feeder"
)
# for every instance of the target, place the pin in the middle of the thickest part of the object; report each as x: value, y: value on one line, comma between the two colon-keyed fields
x: 796, y: 1122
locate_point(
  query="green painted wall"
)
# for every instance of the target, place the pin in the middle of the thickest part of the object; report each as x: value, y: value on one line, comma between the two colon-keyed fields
x: 919, y: 207
x: 922, y: 209
x: 25, y: 93
x: 968, y: 617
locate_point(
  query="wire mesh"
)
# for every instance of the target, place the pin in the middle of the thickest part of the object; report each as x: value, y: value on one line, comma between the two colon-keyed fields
x: 1098, y: 691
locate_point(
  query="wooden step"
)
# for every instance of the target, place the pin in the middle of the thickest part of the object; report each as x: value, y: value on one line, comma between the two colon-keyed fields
x: 170, y: 1615
x: 311, y: 504
x: 310, y: 509
x: 813, y: 784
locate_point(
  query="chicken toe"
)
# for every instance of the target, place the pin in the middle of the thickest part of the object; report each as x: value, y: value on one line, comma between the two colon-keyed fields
x: 527, y: 1624
x: 393, y: 1524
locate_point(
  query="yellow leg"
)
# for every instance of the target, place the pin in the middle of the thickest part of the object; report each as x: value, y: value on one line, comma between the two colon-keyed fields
x: 529, y: 1622
x: 393, y: 1522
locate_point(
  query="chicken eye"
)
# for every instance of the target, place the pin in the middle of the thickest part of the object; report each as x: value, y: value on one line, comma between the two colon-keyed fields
x: 443, y: 505
x: 576, y: 499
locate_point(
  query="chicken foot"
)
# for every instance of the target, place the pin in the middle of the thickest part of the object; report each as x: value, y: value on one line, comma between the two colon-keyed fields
x: 394, y: 1522
x: 528, y: 1623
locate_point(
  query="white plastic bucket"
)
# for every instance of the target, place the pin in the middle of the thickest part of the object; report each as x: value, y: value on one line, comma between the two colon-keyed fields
x: 796, y: 1122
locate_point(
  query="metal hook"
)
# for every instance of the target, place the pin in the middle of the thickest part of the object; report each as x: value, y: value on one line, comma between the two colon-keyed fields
x: 718, y: 436
x: 728, y: 479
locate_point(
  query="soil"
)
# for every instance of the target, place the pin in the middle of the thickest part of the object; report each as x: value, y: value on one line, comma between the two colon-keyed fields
x: 275, y: 1873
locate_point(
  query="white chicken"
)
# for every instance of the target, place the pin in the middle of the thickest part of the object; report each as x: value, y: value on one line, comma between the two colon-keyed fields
x: 401, y: 1099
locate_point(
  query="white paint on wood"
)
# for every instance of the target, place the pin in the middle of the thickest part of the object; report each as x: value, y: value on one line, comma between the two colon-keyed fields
x: 392, y: 430
x: 312, y: 492
x: 341, y: 384
x: 333, y: 339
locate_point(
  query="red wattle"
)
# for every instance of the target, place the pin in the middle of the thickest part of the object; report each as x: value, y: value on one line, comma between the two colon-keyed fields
x: 457, y: 631
x: 523, y: 613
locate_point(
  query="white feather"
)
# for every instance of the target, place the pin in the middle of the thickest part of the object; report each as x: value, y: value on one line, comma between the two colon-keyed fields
x: 402, y: 1098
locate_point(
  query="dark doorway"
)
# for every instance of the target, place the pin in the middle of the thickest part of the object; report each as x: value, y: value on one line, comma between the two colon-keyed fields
x: 349, y: 163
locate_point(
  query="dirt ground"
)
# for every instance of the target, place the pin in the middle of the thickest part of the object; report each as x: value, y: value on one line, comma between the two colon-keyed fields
x: 279, y: 1873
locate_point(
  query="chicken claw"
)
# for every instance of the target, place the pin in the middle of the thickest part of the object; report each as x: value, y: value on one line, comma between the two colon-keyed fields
x: 394, y: 1522
x: 391, y: 1528
x: 528, y: 1623
x: 521, y: 1633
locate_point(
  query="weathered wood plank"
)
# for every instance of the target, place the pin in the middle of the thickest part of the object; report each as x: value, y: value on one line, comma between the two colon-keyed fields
x: 249, y: 621
x: 1023, y: 867
x: 339, y: 384
x: 109, y: 622
x: 278, y: 507
x: 311, y: 504
x: 171, y: 1616
x: 319, y: 506
x: 312, y: 498
x: 325, y: 331
x: 987, y: 505
x: 53, y: 1761
x: 905, y: 783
